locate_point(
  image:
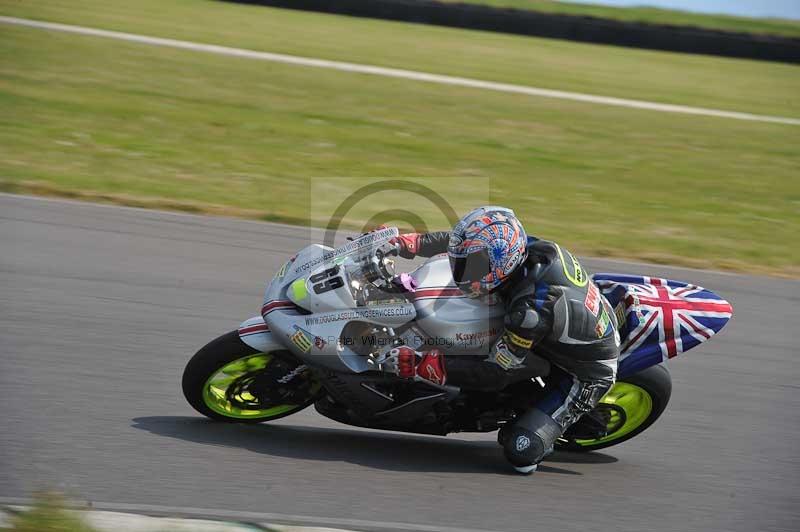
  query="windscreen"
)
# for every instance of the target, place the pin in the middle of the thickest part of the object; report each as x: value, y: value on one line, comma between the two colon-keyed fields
x: 363, y: 247
x: 361, y: 267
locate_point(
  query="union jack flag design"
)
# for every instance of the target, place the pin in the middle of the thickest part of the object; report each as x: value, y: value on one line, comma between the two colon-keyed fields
x: 662, y: 318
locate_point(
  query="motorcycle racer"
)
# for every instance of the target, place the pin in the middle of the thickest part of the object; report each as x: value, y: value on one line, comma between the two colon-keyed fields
x: 554, y: 314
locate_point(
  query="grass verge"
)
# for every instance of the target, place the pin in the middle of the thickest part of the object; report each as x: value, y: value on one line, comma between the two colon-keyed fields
x: 48, y: 515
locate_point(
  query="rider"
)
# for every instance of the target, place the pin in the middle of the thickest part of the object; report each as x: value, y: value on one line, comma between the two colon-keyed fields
x: 553, y: 311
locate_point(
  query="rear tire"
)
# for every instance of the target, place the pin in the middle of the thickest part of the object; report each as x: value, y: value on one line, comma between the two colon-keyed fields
x: 655, y: 382
x: 227, y: 358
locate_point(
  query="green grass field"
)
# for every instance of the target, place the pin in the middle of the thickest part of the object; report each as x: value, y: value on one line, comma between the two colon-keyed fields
x: 732, y: 84
x: 653, y: 15
x: 149, y: 126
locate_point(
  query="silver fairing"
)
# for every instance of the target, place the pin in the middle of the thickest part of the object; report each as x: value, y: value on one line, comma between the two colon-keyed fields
x: 319, y: 336
x: 331, y: 331
x: 451, y: 321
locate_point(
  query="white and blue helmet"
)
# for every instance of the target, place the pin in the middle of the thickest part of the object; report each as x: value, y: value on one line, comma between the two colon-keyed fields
x: 486, y: 247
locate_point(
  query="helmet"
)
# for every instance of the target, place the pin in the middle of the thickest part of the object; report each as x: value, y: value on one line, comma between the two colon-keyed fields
x: 485, y: 248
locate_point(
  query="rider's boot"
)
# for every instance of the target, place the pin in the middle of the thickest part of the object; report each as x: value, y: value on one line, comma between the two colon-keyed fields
x: 529, y: 439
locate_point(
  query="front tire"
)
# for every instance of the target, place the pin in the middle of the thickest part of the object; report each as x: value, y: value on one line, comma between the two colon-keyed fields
x: 227, y: 380
x: 630, y: 407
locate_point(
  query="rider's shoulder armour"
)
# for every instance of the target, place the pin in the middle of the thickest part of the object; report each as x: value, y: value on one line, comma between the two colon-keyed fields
x: 556, y: 266
x: 563, y: 288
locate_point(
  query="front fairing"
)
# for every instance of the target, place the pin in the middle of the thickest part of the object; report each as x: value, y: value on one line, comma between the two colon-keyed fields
x: 321, y: 290
x: 315, y: 259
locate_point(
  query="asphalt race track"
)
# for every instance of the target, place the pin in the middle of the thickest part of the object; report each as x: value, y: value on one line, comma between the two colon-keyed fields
x: 101, y: 307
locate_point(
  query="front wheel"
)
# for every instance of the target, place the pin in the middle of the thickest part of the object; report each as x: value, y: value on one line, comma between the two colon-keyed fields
x: 630, y: 406
x: 228, y: 380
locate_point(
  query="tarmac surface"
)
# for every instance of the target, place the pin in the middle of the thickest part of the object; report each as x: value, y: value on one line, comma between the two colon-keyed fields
x: 101, y: 307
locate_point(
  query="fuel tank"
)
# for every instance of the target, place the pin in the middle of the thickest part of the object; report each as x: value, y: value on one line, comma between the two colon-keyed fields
x: 453, y: 322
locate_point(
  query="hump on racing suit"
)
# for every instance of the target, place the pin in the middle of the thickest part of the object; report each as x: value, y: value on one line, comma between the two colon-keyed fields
x: 555, y: 307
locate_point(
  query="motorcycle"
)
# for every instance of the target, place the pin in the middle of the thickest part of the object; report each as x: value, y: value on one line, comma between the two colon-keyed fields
x: 331, y: 316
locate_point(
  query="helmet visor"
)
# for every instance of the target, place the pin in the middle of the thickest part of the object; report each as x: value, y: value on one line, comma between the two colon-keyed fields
x: 473, y: 267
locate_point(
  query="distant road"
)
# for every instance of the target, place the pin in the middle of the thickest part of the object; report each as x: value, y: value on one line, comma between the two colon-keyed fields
x: 398, y: 73
x: 101, y: 307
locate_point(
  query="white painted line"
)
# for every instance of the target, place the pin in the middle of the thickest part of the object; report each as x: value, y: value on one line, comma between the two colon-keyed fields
x: 105, y: 521
x: 399, y: 73
x: 256, y: 517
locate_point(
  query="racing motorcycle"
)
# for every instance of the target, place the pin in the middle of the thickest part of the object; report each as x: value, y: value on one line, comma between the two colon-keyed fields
x: 331, y: 316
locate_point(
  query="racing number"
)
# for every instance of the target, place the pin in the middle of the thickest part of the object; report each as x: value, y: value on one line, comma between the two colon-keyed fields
x: 325, y: 281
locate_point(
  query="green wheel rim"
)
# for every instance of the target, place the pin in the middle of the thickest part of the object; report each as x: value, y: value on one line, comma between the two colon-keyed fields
x: 636, y: 403
x: 216, y: 387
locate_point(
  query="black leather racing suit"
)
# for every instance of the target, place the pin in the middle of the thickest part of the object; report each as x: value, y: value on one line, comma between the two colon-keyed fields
x: 553, y: 311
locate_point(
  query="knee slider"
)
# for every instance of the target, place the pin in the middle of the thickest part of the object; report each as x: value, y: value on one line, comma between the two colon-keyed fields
x: 530, y: 438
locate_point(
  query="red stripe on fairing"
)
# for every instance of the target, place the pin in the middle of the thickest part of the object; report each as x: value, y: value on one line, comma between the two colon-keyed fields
x: 259, y: 327
x: 437, y: 292
x: 275, y: 305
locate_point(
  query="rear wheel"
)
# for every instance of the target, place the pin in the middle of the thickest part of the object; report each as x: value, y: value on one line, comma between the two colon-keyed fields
x: 228, y: 380
x: 631, y: 406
